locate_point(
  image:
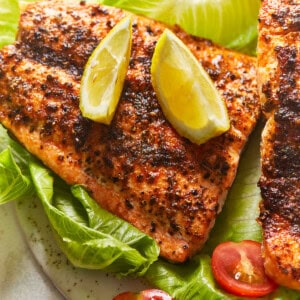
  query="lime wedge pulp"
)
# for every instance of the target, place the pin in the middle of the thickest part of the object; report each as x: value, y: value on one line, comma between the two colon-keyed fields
x: 187, y: 95
x: 105, y: 72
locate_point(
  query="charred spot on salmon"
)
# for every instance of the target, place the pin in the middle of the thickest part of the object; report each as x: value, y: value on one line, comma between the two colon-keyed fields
x: 153, y: 226
x: 287, y: 58
x: 139, y: 178
x: 129, y: 204
x: 51, y: 107
x: 81, y: 129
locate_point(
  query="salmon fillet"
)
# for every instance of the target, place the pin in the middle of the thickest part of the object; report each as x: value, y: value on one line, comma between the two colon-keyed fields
x: 138, y: 167
x: 279, y: 84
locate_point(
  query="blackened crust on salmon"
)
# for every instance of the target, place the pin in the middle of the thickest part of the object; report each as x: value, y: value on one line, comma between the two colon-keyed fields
x: 138, y: 167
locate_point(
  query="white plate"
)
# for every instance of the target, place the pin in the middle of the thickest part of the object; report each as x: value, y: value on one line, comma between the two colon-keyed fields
x: 73, y: 283
x: 20, y: 275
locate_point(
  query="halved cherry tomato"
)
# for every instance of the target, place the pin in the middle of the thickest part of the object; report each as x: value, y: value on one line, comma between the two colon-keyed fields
x: 150, y: 294
x: 239, y: 269
x: 127, y: 296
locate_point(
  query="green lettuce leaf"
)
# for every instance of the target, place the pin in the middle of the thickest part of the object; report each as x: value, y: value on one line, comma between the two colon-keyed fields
x: 15, y: 181
x: 193, y: 280
x: 13, y: 184
x: 231, y: 23
x: 9, y: 18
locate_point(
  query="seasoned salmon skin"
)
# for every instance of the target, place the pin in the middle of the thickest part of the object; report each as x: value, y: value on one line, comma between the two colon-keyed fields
x: 279, y: 85
x: 138, y: 167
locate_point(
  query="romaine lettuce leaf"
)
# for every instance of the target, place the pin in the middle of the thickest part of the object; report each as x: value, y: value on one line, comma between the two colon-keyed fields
x: 231, y: 23
x: 9, y: 18
x: 13, y: 184
x: 15, y: 181
x: 191, y: 281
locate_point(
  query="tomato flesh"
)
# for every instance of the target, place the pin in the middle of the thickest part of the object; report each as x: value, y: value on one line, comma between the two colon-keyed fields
x: 239, y: 269
x: 154, y: 294
x: 150, y: 294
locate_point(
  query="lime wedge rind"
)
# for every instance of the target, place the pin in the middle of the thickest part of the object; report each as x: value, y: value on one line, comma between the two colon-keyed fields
x: 104, y: 74
x: 186, y: 93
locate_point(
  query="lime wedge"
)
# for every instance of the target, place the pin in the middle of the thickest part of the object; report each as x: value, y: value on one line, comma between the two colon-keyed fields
x: 187, y: 95
x: 104, y: 74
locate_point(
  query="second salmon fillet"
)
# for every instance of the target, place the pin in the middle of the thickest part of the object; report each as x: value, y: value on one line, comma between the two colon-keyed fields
x: 279, y: 85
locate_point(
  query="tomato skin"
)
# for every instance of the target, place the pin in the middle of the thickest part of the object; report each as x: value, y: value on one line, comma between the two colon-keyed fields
x: 127, y: 296
x: 154, y: 294
x: 150, y: 294
x: 239, y: 269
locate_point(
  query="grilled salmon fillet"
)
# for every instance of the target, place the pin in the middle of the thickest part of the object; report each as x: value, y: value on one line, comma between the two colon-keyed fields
x: 138, y: 167
x: 279, y: 85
